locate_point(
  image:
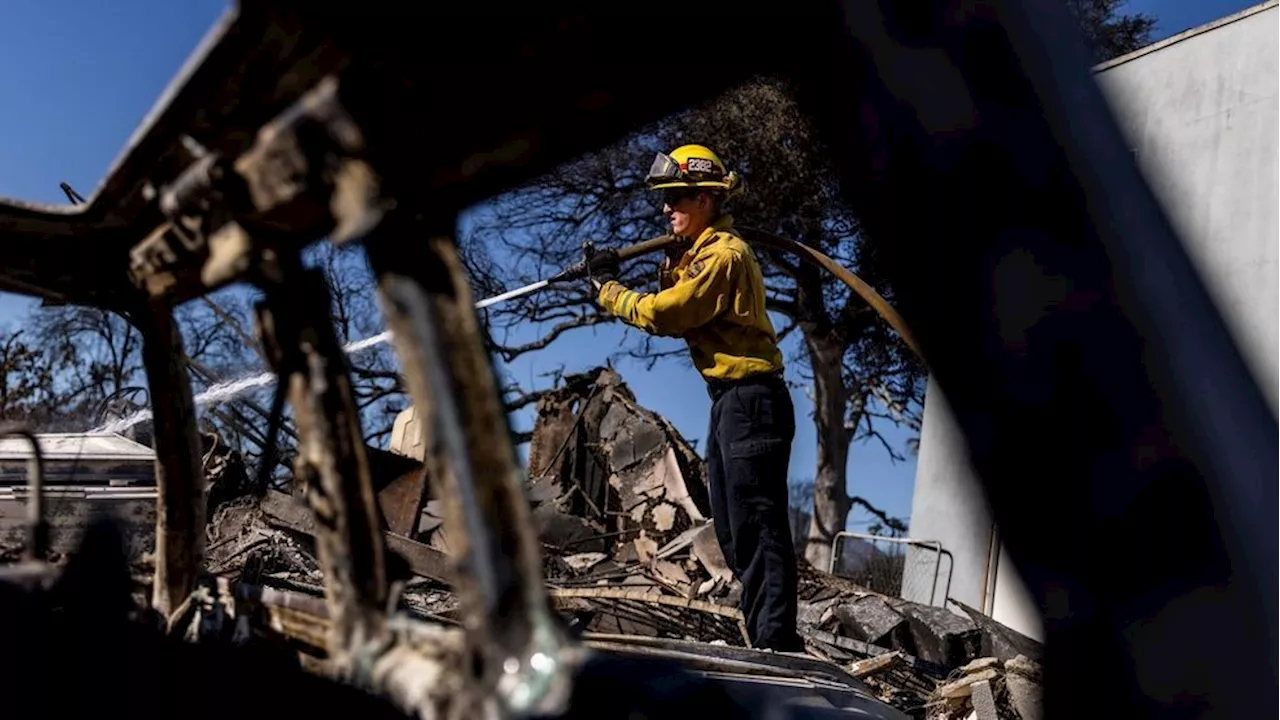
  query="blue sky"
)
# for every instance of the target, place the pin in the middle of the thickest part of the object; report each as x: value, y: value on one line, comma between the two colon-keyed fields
x: 1174, y: 16
x: 76, y: 78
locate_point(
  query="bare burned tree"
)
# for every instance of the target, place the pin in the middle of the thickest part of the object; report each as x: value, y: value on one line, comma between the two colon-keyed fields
x: 376, y: 381
x: 26, y: 383
x: 94, y: 355
x: 860, y: 373
x: 97, y: 352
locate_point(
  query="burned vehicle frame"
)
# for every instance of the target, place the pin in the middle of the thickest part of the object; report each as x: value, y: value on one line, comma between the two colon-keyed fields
x: 1048, y: 291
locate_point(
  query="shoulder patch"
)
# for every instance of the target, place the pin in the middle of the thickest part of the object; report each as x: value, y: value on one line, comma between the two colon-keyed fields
x: 712, y: 257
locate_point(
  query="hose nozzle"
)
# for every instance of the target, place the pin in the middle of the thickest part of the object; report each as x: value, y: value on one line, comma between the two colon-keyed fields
x: 580, y: 269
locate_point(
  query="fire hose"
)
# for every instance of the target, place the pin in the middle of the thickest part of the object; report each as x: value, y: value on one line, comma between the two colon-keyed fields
x: 756, y: 238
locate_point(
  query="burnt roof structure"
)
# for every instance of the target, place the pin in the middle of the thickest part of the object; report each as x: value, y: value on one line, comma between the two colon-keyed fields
x: 1051, y: 297
x: 480, y: 100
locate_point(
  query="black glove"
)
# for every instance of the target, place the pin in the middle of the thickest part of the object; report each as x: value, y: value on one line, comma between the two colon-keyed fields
x: 602, y: 265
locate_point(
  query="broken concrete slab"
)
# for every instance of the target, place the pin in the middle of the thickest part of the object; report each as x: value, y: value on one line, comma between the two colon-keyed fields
x: 815, y: 613
x: 941, y: 636
x: 872, y: 619
x: 999, y: 641
x: 1025, y: 667
x: 984, y: 701
x: 1026, y: 696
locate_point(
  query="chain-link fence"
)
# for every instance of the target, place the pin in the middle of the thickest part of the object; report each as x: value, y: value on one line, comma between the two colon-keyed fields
x: 916, y: 570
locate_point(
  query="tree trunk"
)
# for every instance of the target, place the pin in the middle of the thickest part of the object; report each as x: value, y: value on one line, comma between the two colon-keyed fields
x: 830, y: 494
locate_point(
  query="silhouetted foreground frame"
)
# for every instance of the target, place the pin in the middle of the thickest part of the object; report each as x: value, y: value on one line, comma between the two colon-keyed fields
x: 1130, y: 460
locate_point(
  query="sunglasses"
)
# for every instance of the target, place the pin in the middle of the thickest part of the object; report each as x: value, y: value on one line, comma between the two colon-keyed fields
x: 675, y: 197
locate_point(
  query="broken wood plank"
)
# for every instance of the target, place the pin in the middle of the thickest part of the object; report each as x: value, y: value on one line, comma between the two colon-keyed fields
x: 878, y: 664
x: 646, y: 596
x: 869, y: 650
x: 964, y: 686
x: 808, y: 666
x: 700, y: 660
x: 616, y: 593
x: 423, y: 560
x: 282, y: 510
x: 857, y: 646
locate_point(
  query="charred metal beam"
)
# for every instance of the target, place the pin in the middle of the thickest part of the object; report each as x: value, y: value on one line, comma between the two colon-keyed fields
x: 180, y: 497
x: 524, y: 659
x: 332, y: 468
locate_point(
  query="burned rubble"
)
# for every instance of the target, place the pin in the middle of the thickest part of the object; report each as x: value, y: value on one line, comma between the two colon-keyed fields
x: 619, y: 502
x: 988, y: 688
x: 620, y: 505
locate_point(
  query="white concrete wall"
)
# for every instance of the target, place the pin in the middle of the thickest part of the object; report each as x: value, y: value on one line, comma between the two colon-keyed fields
x: 1202, y: 113
x: 1011, y: 601
x: 948, y: 505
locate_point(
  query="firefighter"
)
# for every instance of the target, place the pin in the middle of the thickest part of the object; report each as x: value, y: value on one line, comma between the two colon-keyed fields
x: 711, y: 294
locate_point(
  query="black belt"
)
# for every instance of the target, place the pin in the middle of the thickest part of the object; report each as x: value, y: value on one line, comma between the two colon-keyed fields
x: 717, y: 386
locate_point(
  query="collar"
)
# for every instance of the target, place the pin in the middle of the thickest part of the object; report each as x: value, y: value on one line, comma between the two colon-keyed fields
x: 723, y: 223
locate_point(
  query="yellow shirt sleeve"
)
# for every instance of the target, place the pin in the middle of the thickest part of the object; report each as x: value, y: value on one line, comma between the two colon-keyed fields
x: 700, y: 295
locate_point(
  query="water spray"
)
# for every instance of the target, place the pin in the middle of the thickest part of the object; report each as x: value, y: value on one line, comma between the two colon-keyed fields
x: 231, y: 388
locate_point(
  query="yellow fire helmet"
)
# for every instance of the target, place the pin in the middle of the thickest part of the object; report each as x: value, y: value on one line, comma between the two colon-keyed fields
x: 691, y: 166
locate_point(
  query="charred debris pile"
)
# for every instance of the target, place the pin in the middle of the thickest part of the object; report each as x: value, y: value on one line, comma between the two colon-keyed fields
x: 620, y: 503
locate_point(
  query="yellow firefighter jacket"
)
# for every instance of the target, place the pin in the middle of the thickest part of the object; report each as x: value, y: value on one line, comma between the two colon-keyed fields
x: 714, y: 299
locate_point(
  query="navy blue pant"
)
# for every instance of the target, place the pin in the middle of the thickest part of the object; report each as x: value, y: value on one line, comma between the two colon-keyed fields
x: 748, y: 449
